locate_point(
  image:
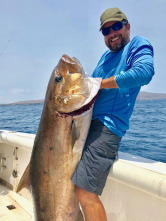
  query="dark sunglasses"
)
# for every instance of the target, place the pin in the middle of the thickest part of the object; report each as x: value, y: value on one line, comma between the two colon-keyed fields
x: 115, y: 27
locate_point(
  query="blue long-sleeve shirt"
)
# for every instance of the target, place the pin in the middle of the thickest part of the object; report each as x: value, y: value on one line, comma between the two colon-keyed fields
x: 132, y: 67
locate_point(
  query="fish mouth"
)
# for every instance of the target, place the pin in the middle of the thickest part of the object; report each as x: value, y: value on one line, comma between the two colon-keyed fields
x: 66, y: 98
x: 77, y: 103
x: 83, y: 109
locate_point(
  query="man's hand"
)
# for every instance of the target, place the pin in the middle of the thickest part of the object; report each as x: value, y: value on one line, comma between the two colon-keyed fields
x: 108, y: 83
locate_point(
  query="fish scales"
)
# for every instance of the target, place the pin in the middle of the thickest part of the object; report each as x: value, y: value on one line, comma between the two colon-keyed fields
x: 59, y: 141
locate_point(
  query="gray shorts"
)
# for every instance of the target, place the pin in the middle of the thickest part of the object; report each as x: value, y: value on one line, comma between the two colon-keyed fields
x: 99, y: 153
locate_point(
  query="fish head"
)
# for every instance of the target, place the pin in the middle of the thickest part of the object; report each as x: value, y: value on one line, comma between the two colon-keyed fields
x: 70, y: 88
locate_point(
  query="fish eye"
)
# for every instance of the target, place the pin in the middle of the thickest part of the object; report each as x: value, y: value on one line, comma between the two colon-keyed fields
x: 58, y: 79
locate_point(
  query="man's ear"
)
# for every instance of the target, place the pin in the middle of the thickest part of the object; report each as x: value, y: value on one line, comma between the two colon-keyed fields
x: 128, y: 26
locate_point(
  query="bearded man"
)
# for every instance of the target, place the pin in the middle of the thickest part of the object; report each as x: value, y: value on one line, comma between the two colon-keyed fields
x: 124, y: 68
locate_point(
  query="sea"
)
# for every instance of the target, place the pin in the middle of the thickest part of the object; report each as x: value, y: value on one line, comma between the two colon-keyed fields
x: 146, y: 136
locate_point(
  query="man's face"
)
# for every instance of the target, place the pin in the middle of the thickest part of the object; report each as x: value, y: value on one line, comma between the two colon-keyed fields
x: 117, y: 40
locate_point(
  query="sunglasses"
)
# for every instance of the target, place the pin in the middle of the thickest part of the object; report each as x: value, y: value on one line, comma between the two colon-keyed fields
x: 115, y: 27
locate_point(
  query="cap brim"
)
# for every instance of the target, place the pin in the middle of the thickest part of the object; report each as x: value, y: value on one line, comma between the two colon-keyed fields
x: 110, y: 19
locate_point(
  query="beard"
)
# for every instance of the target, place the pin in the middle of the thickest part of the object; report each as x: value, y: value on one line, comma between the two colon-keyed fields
x: 117, y: 46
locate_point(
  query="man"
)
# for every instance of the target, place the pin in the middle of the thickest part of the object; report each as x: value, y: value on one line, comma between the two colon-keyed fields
x: 124, y: 68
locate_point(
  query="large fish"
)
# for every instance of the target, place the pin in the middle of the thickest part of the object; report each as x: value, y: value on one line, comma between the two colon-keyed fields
x: 59, y: 141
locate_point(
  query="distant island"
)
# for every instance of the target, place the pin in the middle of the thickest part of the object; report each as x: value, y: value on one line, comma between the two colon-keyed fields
x: 150, y: 96
x: 141, y: 96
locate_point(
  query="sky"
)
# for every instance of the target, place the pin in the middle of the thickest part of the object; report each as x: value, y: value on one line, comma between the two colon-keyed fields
x: 34, y: 34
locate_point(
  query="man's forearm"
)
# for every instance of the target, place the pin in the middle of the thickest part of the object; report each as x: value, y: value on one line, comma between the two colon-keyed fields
x: 108, y: 83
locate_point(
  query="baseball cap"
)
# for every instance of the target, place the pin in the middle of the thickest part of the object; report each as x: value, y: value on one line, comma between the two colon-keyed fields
x: 112, y: 14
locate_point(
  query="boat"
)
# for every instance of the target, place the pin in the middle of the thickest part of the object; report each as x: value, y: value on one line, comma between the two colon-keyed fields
x: 135, y: 189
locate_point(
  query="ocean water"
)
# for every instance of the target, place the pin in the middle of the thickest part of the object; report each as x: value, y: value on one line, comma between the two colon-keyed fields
x: 146, y: 136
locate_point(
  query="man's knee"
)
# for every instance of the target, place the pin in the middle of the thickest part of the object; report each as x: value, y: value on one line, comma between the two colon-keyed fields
x: 86, y: 197
x: 81, y: 194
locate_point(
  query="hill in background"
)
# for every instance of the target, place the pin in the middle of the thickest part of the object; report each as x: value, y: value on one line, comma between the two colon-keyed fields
x: 150, y: 96
x: 141, y: 96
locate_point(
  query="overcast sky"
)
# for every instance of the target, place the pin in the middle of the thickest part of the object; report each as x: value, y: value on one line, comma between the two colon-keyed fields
x: 36, y: 33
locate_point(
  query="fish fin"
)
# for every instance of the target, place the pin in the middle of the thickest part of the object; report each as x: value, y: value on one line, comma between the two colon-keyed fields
x: 75, y: 133
x: 80, y: 216
x: 25, y: 180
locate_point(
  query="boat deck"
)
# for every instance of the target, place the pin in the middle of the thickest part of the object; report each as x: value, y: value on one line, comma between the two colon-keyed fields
x: 14, y: 207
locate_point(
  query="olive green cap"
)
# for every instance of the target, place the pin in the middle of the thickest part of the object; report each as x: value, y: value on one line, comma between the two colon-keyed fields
x: 112, y: 14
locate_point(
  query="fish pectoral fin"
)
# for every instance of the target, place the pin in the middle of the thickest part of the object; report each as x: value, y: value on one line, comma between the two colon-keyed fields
x: 25, y: 180
x: 75, y: 133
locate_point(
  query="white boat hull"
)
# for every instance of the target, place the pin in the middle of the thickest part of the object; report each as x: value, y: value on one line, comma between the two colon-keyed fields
x: 135, y: 189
